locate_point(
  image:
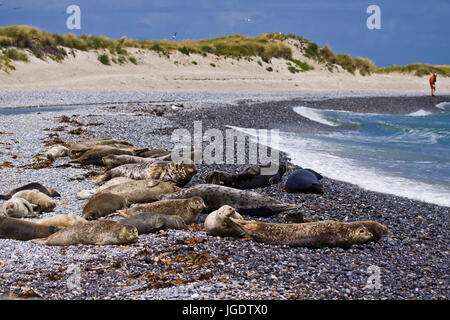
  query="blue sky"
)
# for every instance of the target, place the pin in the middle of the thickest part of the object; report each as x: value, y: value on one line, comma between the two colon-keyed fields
x: 411, y: 30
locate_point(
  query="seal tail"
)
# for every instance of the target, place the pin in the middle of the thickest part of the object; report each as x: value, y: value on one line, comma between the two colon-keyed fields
x: 104, y: 177
x: 40, y: 240
x: 285, y: 207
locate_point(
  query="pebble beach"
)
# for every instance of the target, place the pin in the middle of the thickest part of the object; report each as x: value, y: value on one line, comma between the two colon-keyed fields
x: 412, y: 260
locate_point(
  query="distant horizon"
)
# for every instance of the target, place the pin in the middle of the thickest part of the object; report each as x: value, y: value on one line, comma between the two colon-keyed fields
x: 411, y: 31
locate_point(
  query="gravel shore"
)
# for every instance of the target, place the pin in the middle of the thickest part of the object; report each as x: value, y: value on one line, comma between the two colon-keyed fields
x: 412, y: 260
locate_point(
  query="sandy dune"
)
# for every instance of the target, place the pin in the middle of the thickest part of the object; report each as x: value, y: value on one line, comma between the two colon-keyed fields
x: 179, y: 72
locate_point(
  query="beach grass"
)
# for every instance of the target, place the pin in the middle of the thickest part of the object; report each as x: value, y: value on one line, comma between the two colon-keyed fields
x: 14, y: 39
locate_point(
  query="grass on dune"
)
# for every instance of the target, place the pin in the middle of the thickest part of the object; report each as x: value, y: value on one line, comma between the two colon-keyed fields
x: 418, y: 69
x: 266, y: 46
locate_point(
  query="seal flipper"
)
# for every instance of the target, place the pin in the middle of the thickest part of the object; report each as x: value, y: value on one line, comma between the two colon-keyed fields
x: 5, y: 197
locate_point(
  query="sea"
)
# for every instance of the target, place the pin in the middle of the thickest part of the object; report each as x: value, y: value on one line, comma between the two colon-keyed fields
x: 405, y: 155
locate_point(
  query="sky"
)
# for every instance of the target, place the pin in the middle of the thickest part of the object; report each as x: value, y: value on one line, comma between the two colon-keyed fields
x: 411, y: 30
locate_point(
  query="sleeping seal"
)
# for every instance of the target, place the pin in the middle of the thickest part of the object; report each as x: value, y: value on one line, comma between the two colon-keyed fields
x: 11, y: 228
x: 100, y: 232
x: 188, y: 209
x: 86, y: 194
x: 141, y: 191
x: 95, y: 154
x: 311, y: 235
x: 56, y: 152
x: 150, y: 222
x: 43, y: 201
x: 18, y: 208
x: 78, y: 148
x: 304, y: 181
x: 216, y: 223
x: 61, y: 220
x: 245, y: 202
x: 103, y: 204
x: 179, y: 173
x: 250, y: 178
x: 34, y: 185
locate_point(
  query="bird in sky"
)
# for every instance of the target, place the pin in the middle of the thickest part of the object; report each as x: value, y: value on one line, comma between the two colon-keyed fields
x: 174, y: 35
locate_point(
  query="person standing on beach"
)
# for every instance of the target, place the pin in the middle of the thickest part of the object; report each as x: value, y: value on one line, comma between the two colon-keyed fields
x: 433, y: 84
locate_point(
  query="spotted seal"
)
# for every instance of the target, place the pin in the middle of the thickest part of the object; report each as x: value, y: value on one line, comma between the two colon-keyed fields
x: 311, y: 235
x: 179, y: 173
x: 245, y: 202
x: 150, y: 222
x: 86, y: 194
x: 216, y: 223
x: 188, y: 209
x: 78, y: 148
x: 95, y: 154
x: 142, y: 191
x: 101, y: 232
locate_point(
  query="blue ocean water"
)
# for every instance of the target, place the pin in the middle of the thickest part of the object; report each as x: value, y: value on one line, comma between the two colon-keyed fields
x: 406, y: 155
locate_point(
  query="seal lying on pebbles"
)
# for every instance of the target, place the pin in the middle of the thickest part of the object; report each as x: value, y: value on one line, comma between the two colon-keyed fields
x: 216, y: 223
x: 150, y: 222
x: 62, y: 220
x: 43, y: 201
x: 57, y: 152
x: 142, y: 191
x: 179, y: 173
x: 245, y: 202
x: 34, y: 185
x: 100, y: 232
x: 11, y: 228
x: 188, y: 209
x: 18, y: 208
x: 250, y: 178
x: 86, y: 194
x: 94, y: 155
x: 111, y: 161
x: 78, y: 148
x: 103, y: 204
x: 304, y: 181
x: 311, y: 235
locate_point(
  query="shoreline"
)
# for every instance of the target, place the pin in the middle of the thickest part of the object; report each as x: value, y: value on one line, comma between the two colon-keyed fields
x: 412, y: 258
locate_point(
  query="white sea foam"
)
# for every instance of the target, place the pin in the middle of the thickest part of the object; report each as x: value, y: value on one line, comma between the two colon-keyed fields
x: 314, y: 153
x: 420, y: 113
x: 314, y: 115
x: 443, y: 105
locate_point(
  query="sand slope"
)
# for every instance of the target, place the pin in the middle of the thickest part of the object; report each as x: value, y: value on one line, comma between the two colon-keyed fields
x: 157, y: 72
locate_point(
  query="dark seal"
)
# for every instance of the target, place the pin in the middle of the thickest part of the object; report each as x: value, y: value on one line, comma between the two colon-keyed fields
x: 304, y: 181
x: 250, y: 178
x: 12, y: 228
